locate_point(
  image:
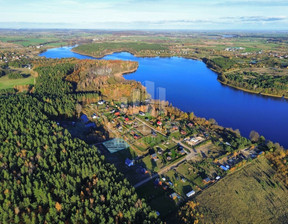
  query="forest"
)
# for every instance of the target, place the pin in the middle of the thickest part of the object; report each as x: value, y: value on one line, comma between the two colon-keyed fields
x: 100, y: 49
x: 49, y: 177
x: 276, y: 85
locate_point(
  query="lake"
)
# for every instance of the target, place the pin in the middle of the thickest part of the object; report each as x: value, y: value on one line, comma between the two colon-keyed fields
x: 189, y: 85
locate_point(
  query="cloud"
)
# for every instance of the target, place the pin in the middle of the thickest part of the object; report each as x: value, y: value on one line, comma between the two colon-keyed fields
x: 256, y: 18
x: 257, y: 3
x: 222, y: 14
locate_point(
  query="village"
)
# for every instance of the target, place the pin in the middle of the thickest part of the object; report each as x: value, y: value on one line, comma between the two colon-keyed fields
x: 167, y: 161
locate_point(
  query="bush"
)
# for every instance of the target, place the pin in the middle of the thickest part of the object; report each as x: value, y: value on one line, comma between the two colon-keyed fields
x: 15, y: 75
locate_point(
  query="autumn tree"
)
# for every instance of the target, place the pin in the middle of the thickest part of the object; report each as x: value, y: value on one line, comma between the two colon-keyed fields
x: 254, y: 136
x: 78, y: 109
x: 189, y: 213
x: 191, y: 116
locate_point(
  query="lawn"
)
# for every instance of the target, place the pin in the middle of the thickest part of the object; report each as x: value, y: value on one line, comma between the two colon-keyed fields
x: 191, y: 174
x: 151, y: 164
x: 249, y: 195
x: 180, y: 186
x: 6, y: 83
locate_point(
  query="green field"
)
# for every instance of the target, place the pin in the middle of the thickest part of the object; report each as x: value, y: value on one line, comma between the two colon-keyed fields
x: 30, y: 41
x: 249, y: 195
x: 6, y: 83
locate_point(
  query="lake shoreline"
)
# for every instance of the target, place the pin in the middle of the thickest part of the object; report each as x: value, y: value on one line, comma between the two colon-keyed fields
x: 192, y: 58
x: 253, y: 92
x: 199, y: 89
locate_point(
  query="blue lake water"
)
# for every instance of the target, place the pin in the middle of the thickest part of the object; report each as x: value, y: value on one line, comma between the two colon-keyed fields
x: 189, y: 85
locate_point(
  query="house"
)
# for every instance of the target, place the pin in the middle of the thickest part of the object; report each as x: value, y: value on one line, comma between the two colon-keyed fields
x: 154, y: 156
x: 206, y: 180
x: 183, y: 179
x: 94, y: 116
x: 101, y: 102
x: 126, y: 119
x: 159, y: 123
x: 190, y: 125
x: 182, y: 151
x: 194, y: 140
x: 164, y: 186
x: 141, y: 113
x: 129, y: 162
x: 191, y: 193
x: 224, y: 168
x: 117, y: 113
x: 136, y: 136
x: 143, y: 171
x: 84, y: 118
x: 175, y: 128
x: 183, y: 132
x: 153, y: 133
x: 160, y: 151
x: 174, y: 196
x: 157, y: 182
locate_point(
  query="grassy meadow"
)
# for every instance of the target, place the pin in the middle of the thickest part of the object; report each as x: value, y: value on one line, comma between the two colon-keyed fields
x: 6, y: 83
x: 249, y: 195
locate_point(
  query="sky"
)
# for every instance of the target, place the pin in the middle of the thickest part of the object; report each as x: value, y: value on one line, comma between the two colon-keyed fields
x: 146, y: 14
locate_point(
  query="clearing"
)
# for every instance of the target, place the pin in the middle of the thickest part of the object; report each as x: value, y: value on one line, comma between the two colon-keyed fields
x: 249, y: 195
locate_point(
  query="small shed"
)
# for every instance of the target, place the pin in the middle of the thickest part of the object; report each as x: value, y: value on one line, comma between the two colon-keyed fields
x: 129, y: 162
x: 173, y: 196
